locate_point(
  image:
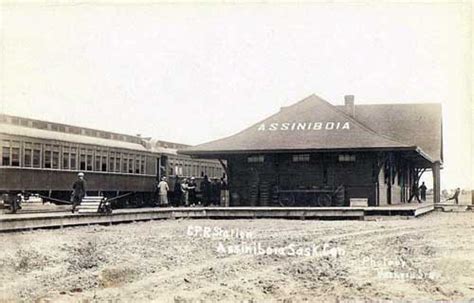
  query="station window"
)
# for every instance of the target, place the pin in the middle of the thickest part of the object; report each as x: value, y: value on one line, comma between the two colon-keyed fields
x: 347, y: 158
x: 55, y: 162
x: 301, y: 158
x: 65, y: 157
x: 256, y: 159
x: 37, y: 155
x: 47, y: 156
x: 111, y: 161
x: 27, y: 156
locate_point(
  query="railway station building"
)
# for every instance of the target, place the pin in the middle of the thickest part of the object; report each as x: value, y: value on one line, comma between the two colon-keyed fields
x: 314, y: 153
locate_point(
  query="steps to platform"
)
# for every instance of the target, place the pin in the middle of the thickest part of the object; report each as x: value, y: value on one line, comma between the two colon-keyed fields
x: 451, y: 207
x: 90, y: 204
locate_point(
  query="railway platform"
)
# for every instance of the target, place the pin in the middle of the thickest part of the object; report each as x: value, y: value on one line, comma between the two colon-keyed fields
x: 60, y: 219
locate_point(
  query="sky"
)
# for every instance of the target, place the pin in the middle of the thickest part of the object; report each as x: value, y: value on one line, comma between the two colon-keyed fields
x: 192, y: 73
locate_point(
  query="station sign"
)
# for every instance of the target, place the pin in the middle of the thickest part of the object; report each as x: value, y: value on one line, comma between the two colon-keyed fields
x: 304, y: 126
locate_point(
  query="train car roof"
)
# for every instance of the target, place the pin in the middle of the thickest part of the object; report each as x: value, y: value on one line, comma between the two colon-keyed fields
x: 34, y: 133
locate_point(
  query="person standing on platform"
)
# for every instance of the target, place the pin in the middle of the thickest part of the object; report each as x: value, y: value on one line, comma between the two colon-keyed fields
x: 206, y: 191
x: 78, y: 191
x: 455, y: 197
x: 184, y: 192
x: 163, y: 189
x: 423, y: 191
x: 192, y: 191
x: 177, y: 192
x: 414, y: 193
x: 224, y: 199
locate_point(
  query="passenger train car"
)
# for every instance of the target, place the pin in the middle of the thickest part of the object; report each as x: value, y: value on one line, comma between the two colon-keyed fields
x: 40, y: 157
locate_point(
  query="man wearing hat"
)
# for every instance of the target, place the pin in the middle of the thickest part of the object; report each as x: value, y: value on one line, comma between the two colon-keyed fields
x: 78, y: 191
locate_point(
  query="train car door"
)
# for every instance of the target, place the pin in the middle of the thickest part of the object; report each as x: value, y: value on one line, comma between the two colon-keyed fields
x: 162, y: 163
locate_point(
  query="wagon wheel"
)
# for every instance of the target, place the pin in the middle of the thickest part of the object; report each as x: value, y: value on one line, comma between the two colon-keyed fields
x: 324, y: 200
x: 287, y: 200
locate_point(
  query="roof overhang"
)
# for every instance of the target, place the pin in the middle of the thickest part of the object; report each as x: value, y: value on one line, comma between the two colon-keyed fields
x: 413, y: 153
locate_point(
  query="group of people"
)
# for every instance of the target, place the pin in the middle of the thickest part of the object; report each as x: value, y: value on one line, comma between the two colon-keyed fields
x: 185, y: 193
x: 416, y: 192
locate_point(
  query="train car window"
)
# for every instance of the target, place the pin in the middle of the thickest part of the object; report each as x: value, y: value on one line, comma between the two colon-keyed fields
x: 130, y: 164
x: 6, y: 153
x: 97, y: 166
x: 89, y: 163
x: 65, y: 157
x: 15, y: 153
x: 47, y: 156
x: 111, y: 161
x: 73, y: 158
x: 55, y: 160
x: 143, y: 165
x: 117, y: 163
x: 82, y: 159
x: 104, y: 161
x: 37, y: 155
x: 27, y: 155
x: 137, y: 165
x: 125, y: 163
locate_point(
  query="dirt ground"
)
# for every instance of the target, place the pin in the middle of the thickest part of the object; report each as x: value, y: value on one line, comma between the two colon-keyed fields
x: 429, y: 258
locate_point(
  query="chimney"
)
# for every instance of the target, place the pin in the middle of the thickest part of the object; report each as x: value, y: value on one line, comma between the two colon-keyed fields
x: 349, y: 105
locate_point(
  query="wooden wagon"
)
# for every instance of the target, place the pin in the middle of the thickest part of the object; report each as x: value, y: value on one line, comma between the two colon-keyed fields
x: 314, y: 196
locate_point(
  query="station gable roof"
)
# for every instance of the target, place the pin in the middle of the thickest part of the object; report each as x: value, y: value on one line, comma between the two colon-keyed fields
x: 313, y: 124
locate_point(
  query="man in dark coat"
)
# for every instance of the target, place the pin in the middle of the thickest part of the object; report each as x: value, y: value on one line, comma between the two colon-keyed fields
x: 423, y: 191
x: 78, y: 191
x: 206, y: 191
x: 177, y: 192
